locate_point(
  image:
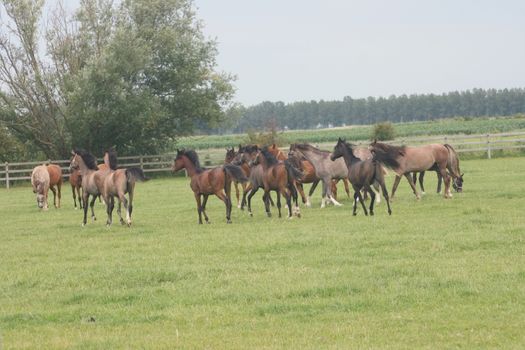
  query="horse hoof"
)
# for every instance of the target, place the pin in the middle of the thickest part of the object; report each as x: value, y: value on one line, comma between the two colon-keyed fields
x: 251, y: 215
x: 371, y: 213
x: 354, y: 214
x: 390, y: 212
x: 208, y: 222
x: 83, y: 225
x: 228, y: 221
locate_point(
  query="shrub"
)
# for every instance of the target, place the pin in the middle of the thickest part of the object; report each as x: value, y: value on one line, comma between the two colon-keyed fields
x: 383, y: 132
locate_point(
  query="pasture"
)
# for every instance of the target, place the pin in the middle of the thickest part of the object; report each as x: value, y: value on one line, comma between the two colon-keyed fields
x: 436, y: 274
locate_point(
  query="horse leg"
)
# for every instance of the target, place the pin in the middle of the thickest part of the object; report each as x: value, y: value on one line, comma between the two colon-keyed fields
x: 59, y: 188
x: 347, y: 186
x: 329, y: 193
x: 445, y: 176
x: 372, y: 198
x: 288, y: 196
x: 246, y: 189
x: 301, y: 192
x: 333, y: 188
x: 227, y: 201
x: 204, y: 201
x: 407, y: 175
x: 74, y: 196
x: 267, y: 202
x: 251, y: 192
x: 323, y: 195
x: 421, y: 177
x: 199, y: 206
x: 52, y: 188
x: 385, y: 194
x: 109, y: 209
x: 79, y: 196
x: 237, y: 194
x: 358, y: 190
x: 311, y: 192
x: 279, y: 202
x: 354, y: 212
x: 92, y: 205
x: 377, y: 190
x: 440, y: 180
x: 85, y: 198
x: 394, y: 187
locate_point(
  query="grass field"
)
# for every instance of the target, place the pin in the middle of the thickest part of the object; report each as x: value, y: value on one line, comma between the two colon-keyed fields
x: 436, y: 274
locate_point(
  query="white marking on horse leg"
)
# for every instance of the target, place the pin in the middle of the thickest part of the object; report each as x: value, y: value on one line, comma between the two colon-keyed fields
x: 323, y: 204
x: 308, y: 203
x: 128, y: 218
x: 334, y: 201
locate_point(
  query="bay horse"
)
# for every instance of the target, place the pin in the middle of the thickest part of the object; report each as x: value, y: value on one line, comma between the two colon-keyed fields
x: 362, y: 175
x: 405, y: 160
x: 325, y: 168
x: 453, y: 170
x: 43, y: 179
x: 244, y: 158
x: 205, y: 182
x: 75, y: 180
x: 228, y: 159
x: 92, y: 178
x: 279, y: 176
x: 118, y: 183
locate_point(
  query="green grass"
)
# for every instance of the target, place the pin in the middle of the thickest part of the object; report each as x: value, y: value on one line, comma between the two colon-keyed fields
x: 436, y: 274
x: 451, y: 126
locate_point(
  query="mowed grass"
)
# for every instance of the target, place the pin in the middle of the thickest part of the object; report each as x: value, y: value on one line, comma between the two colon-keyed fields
x: 436, y: 274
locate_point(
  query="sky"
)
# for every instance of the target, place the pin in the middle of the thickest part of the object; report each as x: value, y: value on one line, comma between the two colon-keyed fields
x: 291, y: 50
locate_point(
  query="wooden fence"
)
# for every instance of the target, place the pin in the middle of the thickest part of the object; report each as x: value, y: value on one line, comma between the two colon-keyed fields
x: 483, y: 144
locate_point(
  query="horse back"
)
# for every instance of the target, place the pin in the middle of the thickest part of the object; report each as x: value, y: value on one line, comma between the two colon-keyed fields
x: 55, y: 174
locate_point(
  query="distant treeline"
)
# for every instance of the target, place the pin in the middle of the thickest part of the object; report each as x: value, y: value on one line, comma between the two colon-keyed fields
x: 403, y: 108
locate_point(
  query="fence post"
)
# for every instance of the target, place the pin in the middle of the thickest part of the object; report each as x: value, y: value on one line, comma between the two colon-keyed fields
x: 141, y: 163
x: 489, y: 155
x: 7, y: 175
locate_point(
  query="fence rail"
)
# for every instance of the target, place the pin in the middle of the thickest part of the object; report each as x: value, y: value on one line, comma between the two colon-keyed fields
x: 481, y: 143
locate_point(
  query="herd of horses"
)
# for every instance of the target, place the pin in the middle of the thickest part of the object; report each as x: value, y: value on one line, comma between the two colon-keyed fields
x: 254, y: 167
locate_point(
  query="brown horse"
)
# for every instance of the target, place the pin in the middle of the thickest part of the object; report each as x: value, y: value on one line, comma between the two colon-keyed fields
x: 204, y: 182
x: 362, y: 175
x: 228, y: 159
x: 280, y: 177
x: 75, y: 180
x: 405, y: 160
x: 118, y: 183
x: 453, y: 170
x: 43, y: 179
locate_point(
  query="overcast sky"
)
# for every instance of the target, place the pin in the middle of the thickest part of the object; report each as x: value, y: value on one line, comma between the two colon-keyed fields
x: 291, y: 50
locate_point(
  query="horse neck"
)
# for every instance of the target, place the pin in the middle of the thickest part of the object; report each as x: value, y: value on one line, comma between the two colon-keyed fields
x: 82, y: 168
x: 349, y: 156
x: 190, y: 167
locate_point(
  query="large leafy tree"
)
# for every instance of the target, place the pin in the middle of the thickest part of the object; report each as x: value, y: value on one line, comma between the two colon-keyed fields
x: 136, y: 75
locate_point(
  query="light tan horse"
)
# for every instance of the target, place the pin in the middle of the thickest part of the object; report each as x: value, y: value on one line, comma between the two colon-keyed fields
x: 43, y: 179
x: 118, y: 183
x: 92, y: 179
x: 404, y: 160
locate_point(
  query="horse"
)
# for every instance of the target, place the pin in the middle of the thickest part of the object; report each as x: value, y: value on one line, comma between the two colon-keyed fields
x: 405, y: 160
x: 92, y: 178
x: 118, y: 183
x: 325, y: 168
x: 43, y: 179
x: 75, y: 180
x: 453, y: 170
x: 244, y: 158
x: 204, y: 182
x: 362, y: 175
x: 280, y: 177
x: 228, y: 159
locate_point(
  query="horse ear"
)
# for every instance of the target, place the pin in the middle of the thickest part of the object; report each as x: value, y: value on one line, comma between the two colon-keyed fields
x: 462, y: 175
x: 72, y: 152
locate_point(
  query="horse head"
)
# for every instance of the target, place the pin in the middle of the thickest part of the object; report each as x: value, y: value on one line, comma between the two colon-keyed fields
x: 457, y: 183
x: 230, y: 155
x: 74, y: 163
x: 338, y: 149
x: 178, y: 162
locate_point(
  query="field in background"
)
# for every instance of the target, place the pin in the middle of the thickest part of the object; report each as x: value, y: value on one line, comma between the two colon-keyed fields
x: 356, y: 133
x: 436, y: 274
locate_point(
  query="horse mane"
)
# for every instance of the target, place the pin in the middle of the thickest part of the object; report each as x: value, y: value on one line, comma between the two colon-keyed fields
x: 248, y: 149
x: 392, y: 150
x: 112, y: 155
x: 350, y: 148
x: 270, y: 158
x: 194, y: 158
x: 88, y: 158
x: 309, y: 147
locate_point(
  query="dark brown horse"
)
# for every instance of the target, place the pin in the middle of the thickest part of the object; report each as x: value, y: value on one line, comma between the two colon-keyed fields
x: 118, y: 183
x: 231, y: 155
x: 405, y: 160
x: 362, y: 175
x: 280, y: 177
x: 204, y: 182
x: 453, y: 170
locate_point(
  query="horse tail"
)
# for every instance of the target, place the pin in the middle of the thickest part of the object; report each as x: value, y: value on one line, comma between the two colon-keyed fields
x: 235, y: 173
x: 452, y: 161
x: 294, y: 174
x: 385, y: 158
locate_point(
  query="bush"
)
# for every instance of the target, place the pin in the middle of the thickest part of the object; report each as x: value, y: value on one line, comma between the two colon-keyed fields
x: 383, y: 132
